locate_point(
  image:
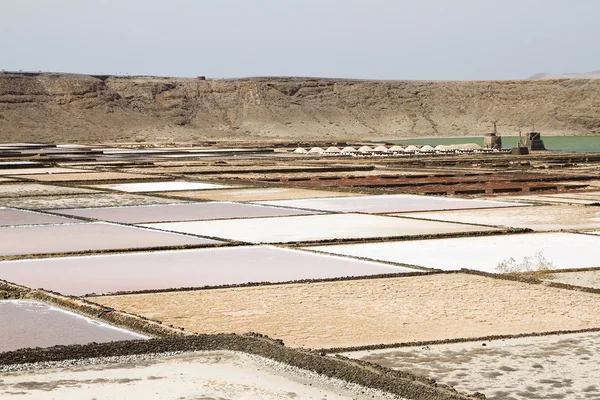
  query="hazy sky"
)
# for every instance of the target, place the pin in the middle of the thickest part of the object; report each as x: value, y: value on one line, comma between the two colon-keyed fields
x: 374, y: 39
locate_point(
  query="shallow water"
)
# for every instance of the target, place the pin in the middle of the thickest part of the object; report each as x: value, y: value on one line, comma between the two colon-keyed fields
x: 25, y: 323
x: 183, y: 268
x: 84, y: 237
x: 11, y: 217
x: 558, y: 143
x: 182, y: 212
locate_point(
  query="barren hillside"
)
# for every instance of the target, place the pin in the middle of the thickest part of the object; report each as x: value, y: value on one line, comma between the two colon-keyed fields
x: 80, y: 108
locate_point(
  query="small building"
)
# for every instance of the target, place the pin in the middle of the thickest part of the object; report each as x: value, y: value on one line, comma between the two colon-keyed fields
x: 533, y: 141
x: 492, y: 140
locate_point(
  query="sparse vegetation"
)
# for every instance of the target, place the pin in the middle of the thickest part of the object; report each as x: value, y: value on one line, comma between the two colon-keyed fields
x: 533, y: 267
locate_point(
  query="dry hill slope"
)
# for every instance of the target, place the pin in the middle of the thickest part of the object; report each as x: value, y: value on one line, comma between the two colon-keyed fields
x: 71, y: 108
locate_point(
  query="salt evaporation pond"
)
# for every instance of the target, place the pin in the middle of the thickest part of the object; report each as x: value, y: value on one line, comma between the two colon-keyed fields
x: 183, y: 268
x: 390, y: 203
x: 27, y: 323
x: 163, y: 186
x: 182, y: 212
x: 316, y: 227
x: 12, y: 217
x: 66, y: 238
x: 563, y: 250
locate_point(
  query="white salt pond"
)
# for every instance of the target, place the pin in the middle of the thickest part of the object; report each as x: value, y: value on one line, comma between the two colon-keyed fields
x: 163, y: 186
x: 183, y: 268
x: 12, y: 217
x: 540, y: 218
x: 27, y: 323
x: 547, y: 367
x: 390, y: 203
x: 563, y: 250
x: 214, y: 375
x: 316, y: 227
x: 182, y: 212
x: 65, y: 238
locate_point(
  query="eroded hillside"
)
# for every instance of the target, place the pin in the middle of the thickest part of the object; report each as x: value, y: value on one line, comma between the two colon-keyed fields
x: 71, y: 108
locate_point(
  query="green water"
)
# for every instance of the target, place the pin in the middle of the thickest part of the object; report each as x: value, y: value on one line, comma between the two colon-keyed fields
x: 558, y: 143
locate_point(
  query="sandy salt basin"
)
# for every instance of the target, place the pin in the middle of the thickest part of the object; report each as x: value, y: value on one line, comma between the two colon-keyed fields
x: 86, y: 176
x: 210, y: 375
x: 546, y: 367
x: 186, y: 268
x: 28, y: 323
x: 67, y: 238
x: 32, y: 171
x: 84, y: 200
x: 563, y: 250
x: 540, y: 218
x: 12, y: 217
x: 182, y: 212
x: 25, y: 190
x: 316, y: 227
x: 262, y: 194
x: 590, y: 279
x: 162, y: 186
x: 372, y: 311
x: 390, y: 203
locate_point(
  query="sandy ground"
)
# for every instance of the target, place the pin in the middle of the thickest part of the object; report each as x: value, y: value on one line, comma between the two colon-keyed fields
x: 549, y: 367
x: 547, y: 199
x: 482, y: 253
x: 372, y: 311
x: 86, y: 176
x: 589, y: 279
x: 262, y: 194
x: 24, y: 190
x: 162, y: 186
x: 98, y: 199
x: 216, y: 375
x: 30, y: 171
x: 542, y: 218
x: 316, y: 227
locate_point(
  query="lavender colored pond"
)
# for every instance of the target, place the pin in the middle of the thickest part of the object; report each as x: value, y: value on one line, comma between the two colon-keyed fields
x: 26, y: 323
x: 84, y: 237
x: 182, y: 212
x: 183, y: 268
x: 11, y: 217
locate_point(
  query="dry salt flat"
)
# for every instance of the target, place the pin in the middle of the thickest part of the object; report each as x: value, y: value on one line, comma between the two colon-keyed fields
x: 27, y: 323
x: 316, y: 227
x: 31, y: 171
x: 25, y: 190
x: 65, y: 238
x: 186, y: 268
x: 86, y: 176
x: 97, y: 199
x: 142, y: 187
x: 208, y: 375
x: 13, y: 217
x: 590, y: 279
x: 390, y: 203
x: 539, y: 218
x: 563, y: 250
x: 182, y: 212
x: 547, y: 367
x: 257, y: 194
x: 371, y: 311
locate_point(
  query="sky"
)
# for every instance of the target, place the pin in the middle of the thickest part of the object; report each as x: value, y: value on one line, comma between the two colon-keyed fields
x: 363, y: 39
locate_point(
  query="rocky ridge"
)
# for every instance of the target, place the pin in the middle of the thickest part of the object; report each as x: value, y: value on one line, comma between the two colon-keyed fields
x: 81, y: 108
